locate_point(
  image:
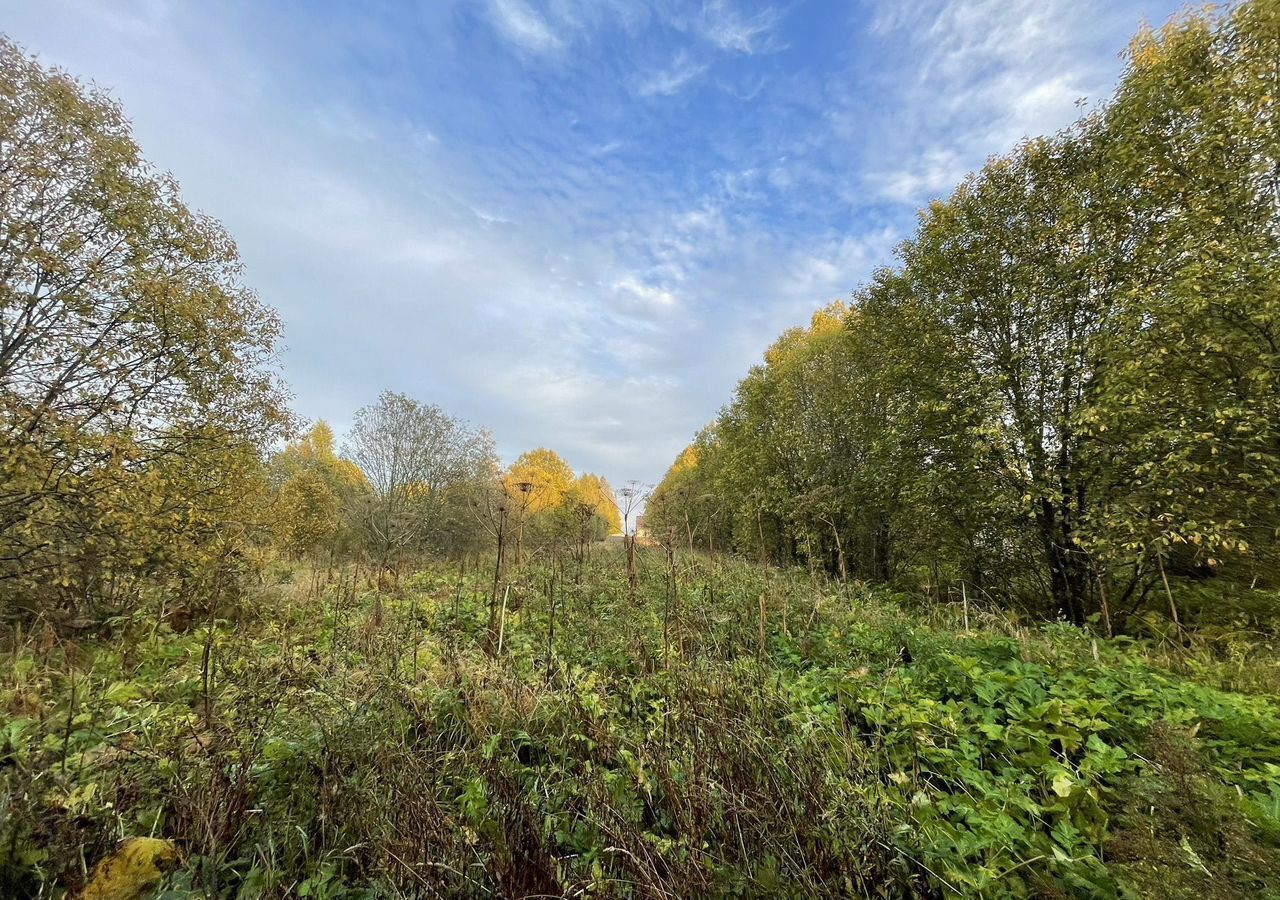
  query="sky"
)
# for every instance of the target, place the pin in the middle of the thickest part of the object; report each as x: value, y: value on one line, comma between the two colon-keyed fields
x: 576, y: 223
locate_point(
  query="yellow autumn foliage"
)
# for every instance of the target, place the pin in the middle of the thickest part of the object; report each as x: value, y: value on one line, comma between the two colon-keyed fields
x: 132, y: 870
x: 315, y: 450
x: 595, y: 491
x: 548, y: 476
x: 828, y: 322
x: 687, y: 461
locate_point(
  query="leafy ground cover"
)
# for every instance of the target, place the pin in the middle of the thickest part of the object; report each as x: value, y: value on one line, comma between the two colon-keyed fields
x: 723, y: 730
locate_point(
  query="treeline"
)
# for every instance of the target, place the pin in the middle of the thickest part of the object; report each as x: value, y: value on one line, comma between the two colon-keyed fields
x: 1068, y: 387
x: 414, y: 482
x: 141, y: 408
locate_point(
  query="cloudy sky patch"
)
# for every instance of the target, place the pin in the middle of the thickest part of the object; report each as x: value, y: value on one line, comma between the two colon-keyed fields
x: 576, y: 222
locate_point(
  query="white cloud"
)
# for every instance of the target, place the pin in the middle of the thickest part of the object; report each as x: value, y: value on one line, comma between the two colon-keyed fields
x: 648, y: 294
x: 728, y: 29
x: 934, y: 173
x: 983, y: 74
x: 521, y: 25
x: 673, y: 78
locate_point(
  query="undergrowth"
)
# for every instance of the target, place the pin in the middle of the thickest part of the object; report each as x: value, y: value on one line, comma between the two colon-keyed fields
x: 727, y: 731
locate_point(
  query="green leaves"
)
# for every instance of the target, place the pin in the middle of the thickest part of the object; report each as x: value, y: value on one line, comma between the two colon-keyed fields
x: 1073, y: 372
x: 1192, y: 437
x: 137, y: 373
x: 994, y: 762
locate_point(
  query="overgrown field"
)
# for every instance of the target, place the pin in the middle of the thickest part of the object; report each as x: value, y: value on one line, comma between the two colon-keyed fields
x: 722, y: 730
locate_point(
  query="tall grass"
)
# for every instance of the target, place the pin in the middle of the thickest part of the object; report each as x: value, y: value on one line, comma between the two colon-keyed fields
x: 733, y: 731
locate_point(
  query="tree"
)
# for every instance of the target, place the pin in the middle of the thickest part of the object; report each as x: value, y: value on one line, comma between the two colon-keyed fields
x: 136, y: 370
x: 927, y: 460
x: 688, y: 500
x: 1189, y: 409
x: 552, y: 506
x: 594, y: 493
x: 308, y: 477
x: 538, y: 484
x: 307, y: 512
x: 799, y: 465
x: 1073, y: 376
x: 549, y: 478
x: 412, y: 454
x: 1021, y: 267
x: 315, y: 450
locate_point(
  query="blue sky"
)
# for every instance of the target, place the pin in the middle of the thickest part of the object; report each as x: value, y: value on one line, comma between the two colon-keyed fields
x: 575, y: 222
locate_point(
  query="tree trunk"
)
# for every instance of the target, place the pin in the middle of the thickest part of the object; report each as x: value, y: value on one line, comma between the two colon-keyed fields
x: 883, y: 551
x: 1068, y: 568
